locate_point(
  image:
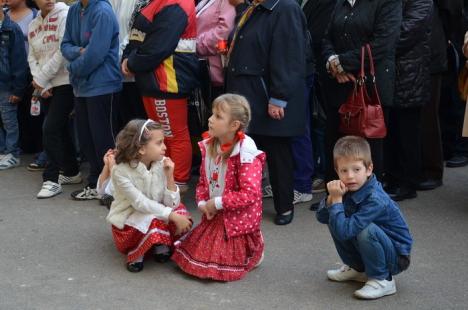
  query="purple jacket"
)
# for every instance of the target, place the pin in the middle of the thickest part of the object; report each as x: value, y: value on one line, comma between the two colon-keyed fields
x: 215, y: 21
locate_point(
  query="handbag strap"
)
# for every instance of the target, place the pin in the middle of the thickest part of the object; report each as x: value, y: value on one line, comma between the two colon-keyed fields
x: 371, y: 62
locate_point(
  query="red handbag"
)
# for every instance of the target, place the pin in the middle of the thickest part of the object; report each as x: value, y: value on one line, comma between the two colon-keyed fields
x: 362, y: 115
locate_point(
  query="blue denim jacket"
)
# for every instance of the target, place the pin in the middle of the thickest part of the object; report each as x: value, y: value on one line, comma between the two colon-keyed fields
x: 370, y: 204
x: 14, y: 67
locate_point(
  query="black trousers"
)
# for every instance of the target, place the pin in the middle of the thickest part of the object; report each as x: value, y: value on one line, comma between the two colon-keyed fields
x: 30, y: 127
x: 332, y: 135
x: 57, y: 140
x: 130, y: 105
x: 281, y: 169
x: 403, y: 147
x: 96, y: 122
x: 431, y: 139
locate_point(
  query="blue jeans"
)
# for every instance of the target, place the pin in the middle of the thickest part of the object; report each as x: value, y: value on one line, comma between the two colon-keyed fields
x: 302, y: 150
x: 371, y: 251
x: 9, y: 131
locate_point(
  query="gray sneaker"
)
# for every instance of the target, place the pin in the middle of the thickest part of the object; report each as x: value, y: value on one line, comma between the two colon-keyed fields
x: 301, y: 197
x: 267, y: 192
x: 74, y: 179
x: 9, y: 161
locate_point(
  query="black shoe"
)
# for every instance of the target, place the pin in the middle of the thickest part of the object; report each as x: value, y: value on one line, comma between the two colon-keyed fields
x: 281, y: 219
x: 402, y: 193
x: 135, y: 267
x: 428, y: 185
x: 106, y: 200
x: 314, y: 206
x: 163, y: 257
x: 457, y: 161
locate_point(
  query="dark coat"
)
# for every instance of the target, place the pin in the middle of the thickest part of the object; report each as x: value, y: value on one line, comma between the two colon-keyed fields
x: 438, y: 44
x: 376, y: 22
x: 413, y: 82
x: 268, y: 64
x: 318, y: 13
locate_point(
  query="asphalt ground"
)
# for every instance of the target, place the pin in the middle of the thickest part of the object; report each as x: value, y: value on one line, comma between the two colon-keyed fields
x: 59, y: 254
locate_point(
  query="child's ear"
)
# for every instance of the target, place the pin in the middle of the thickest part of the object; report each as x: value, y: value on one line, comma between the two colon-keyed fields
x: 370, y: 169
x: 142, y: 150
x: 235, y: 125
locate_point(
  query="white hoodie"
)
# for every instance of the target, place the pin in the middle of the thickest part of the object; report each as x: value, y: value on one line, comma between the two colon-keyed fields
x: 45, y: 59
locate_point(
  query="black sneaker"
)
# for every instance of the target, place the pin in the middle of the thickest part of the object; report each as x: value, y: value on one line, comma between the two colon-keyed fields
x: 135, y: 267
x: 87, y: 193
x: 106, y: 200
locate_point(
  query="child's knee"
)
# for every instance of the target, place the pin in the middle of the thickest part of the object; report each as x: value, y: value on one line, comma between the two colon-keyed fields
x: 368, y: 234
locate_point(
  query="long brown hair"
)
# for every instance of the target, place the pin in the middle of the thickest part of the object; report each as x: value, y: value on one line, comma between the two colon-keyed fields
x: 132, y: 138
x: 239, y: 110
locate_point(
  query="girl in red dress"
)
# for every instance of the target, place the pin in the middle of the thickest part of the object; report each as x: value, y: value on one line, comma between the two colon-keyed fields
x: 146, y: 212
x: 228, y: 242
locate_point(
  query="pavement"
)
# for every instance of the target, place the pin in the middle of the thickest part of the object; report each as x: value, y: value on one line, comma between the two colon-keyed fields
x: 58, y: 254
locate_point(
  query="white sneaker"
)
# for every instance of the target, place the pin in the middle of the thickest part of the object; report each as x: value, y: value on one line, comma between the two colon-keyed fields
x: 267, y: 192
x: 301, y: 197
x: 9, y: 161
x: 86, y: 193
x: 374, y: 289
x: 49, y: 189
x: 346, y: 273
x: 74, y: 179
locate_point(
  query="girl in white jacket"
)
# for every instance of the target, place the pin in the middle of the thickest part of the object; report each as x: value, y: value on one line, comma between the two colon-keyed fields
x: 50, y: 79
x: 146, y: 212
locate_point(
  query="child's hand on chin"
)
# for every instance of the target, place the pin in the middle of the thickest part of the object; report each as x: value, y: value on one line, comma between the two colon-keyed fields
x: 183, y: 223
x: 168, y: 166
x: 336, y: 190
x: 209, y: 209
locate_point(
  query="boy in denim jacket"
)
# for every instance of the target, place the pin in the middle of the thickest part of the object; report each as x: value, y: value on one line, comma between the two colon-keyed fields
x: 13, y: 82
x: 367, y: 227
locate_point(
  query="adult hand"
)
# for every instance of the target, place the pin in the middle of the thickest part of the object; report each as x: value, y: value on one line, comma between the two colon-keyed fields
x: 345, y: 77
x: 182, y: 223
x: 275, y: 111
x: 126, y: 72
x: 336, y: 190
x: 14, y: 99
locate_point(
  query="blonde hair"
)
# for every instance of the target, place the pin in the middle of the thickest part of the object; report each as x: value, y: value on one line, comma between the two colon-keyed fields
x: 131, y: 138
x: 353, y: 147
x: 239, y: 110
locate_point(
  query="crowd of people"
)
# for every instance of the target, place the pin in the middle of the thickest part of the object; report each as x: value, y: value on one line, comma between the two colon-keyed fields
x: 266, y: 79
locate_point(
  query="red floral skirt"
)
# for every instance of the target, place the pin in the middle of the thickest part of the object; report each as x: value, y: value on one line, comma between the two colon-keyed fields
x: 133, y: 243
x: 208, y: 253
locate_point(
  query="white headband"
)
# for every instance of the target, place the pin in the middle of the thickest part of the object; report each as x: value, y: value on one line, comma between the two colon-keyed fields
x: 143, y: 128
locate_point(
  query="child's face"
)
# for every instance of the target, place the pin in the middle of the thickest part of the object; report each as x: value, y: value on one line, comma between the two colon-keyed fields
x: 155, y: 149
x: 352, y: 172
x: 220, y: 124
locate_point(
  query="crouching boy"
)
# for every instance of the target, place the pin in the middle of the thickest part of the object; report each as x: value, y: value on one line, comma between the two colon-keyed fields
x: 367, y: 227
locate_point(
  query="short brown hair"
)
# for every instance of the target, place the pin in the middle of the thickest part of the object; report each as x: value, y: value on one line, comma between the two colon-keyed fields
x: 353, y: 147
x: 132, y: 138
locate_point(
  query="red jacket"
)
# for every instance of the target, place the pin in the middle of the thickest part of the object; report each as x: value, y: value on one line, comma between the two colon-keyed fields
x: 161, y: 49
x: 242, y: 196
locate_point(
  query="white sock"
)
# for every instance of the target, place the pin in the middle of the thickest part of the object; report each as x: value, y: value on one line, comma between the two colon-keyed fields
x: 286, y: 213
